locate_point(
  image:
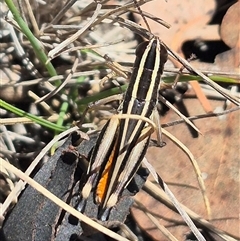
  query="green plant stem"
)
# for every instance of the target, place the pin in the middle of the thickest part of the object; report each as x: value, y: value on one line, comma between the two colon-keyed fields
x: 216, y: 78
x: 37, y: 47
x: 101, y: 95
x: 166, y: 79
x: 36, y: 119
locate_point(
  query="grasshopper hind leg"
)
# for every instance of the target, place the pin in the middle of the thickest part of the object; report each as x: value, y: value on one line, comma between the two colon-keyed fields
x: 104, y: 214
x: 85, y: 193
x: 81, y: 204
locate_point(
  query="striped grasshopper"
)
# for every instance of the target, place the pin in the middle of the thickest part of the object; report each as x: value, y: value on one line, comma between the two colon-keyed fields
x: 124, y: 139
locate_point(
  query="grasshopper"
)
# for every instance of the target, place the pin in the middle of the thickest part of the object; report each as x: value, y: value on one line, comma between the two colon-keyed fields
x: 124, y: 139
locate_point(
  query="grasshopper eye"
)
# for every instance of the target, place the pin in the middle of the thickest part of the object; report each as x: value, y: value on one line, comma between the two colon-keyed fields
x: 164, y: 54
x: 141, y: 48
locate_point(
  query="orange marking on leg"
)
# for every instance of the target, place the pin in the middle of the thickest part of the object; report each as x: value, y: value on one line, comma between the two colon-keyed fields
x: 103, y: 182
